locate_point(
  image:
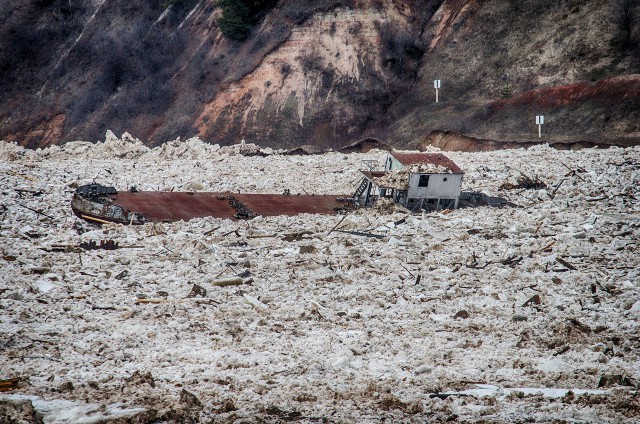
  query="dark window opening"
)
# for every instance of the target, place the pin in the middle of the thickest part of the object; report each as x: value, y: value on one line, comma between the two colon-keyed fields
x: 424, y: 181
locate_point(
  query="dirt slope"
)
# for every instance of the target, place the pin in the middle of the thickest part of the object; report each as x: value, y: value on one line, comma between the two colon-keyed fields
x: 318, y: 73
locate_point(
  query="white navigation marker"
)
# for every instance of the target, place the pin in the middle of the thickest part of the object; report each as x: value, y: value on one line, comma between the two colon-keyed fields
x: 539, y: 122
x: 436, y: 85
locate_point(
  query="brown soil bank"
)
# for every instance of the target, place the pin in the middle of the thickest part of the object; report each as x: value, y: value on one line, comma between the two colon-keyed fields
x: 453, y: 142
x: 602, y: 113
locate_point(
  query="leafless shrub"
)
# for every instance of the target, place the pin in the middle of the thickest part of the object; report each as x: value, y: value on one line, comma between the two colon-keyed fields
x: 332, y: 28
x: 524, y: 182
x: 625, y: 15
x: 355, y: 28
x: 285, y: 70
x: 311, y: 61
x: 400, y: 50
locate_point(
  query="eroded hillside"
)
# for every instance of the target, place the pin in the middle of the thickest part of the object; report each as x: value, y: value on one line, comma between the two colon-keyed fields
x: 320, y: 73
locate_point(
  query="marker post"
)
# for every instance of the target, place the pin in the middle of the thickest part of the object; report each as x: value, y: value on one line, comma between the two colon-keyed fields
x: 436, y: 85
x: 539, y: 122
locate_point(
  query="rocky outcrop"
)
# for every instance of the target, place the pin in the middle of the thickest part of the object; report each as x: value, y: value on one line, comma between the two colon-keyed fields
x: 321, y: 73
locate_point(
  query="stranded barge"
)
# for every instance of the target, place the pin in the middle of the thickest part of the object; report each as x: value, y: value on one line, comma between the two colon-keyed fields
x: 416, y: 181
x: 98, y: 203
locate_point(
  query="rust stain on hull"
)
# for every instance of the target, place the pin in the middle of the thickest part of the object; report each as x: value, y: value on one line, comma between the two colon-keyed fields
x: 169, y: 206
x: 280, y: 204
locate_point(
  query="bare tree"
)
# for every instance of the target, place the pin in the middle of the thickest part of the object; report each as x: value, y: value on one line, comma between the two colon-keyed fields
x: 625, y: 13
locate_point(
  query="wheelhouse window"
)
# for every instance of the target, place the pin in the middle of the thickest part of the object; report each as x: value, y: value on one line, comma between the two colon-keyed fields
x: 424, y: 181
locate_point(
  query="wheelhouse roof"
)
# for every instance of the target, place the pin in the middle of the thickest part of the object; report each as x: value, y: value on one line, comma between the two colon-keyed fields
x: 409, y: 159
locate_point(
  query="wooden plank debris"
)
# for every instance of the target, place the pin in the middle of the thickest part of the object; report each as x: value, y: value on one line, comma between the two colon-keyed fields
x: 337, y: 225
x: 197, y: 290
x: 26, y: 177
x: 9, y: 384
x: 552, y: 195
x: 90, y: 218
x: 580, y: 326
x: 36, y: 211
x: 211, y: 231
x: 566, y: 264
x: 361, y: 233
x: 301, y: 235
x: 229, y: 281
x: 535, y: 300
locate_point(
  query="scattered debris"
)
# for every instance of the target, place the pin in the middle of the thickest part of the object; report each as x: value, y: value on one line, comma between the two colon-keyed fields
x: 335, y: 226
x: 283, y: 414
x: 9, y: 384
x: 524, y: 182
x: 139, y: 378
x: 534, y: 300
x: 308, y: 249
x: 362, y: 233
x: 257, y: 304
x: 67, y: 386
x: 227, y: 406
x: 242, y: 211
x: 611, y: 380
x: 104, y: 245
x: 562, y: 350
x: 228, y: 281
x: 565, y: 263
x: 580, y: 326
x: 190, y: 399
x: 197, y: 290
x: 34, y: 193
x: 552, y: 195
x: 40, y: 270
x: 36, y: 211
x: 512, y: 260
x: 391, y: 402
x: 462, y: 314
x: 145, y: 300
x: 302, y: 235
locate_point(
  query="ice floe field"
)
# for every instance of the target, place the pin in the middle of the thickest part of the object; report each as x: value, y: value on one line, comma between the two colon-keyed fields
x: 515, y: 314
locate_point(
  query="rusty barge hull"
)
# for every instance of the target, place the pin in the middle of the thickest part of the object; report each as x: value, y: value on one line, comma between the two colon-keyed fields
x: 175, y: 206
